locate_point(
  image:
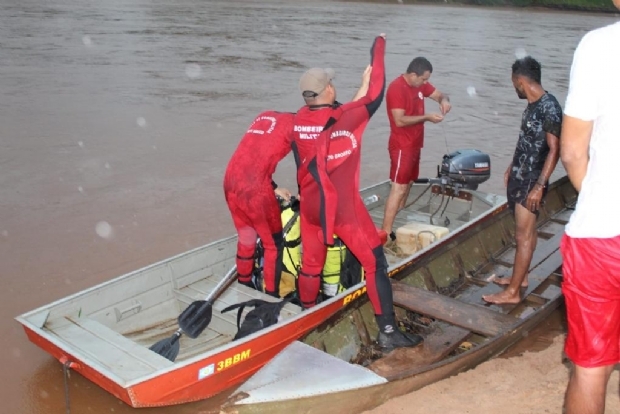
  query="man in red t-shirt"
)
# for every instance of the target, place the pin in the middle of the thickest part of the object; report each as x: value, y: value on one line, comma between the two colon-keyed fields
x: 405, y: 109
x: 249, y: 192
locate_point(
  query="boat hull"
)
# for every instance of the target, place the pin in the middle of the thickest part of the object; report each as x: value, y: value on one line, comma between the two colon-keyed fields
x: 214, y: 372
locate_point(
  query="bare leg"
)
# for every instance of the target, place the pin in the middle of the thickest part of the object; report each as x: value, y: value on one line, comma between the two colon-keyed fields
x: 403, y: 201
x: 586, y: 390
x: 526, y: 238
x: 393, y: 204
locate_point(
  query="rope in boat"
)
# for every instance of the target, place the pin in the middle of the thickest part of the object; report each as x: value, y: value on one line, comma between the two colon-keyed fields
x: 417, y: 198
x: 438, y: 208
x: 66, y: 366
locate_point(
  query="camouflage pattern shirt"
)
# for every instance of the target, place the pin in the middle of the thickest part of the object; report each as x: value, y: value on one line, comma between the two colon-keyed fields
x: 540, y: 117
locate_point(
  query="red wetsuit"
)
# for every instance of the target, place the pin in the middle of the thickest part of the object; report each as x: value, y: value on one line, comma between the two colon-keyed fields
x: 249, y: 193
x: 331, y: 203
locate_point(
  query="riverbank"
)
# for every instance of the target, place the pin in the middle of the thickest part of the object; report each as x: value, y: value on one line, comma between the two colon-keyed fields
x: 598, y: 6
x: 531, y: 383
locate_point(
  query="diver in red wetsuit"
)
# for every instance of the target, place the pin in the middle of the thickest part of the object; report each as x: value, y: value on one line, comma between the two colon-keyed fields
x: 249, y: 192
x: 328, y: 140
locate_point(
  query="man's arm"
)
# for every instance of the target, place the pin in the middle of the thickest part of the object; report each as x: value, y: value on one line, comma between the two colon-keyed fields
x: 576, y: 135
x: 363, y: 90
x: 552, y: 159
x: 507, y: 174
x: 443, y: 100
x: 402, y: 120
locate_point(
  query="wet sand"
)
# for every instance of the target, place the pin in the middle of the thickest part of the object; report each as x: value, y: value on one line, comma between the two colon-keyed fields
x: 118, y: 120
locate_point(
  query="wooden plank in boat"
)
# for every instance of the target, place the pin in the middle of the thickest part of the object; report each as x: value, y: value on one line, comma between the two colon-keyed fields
x: 119, y: 355
x: 474, y: 318
x: 563, y: 216
x: 444, y: 339
x: 537, y: 275
x: 544, y: 250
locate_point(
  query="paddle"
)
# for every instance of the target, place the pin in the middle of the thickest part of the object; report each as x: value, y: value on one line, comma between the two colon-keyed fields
x: 197, y: 316
x: 194, y: 319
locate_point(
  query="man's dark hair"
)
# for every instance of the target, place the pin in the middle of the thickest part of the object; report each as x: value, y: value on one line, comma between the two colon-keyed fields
x: 528, y: 67
x: 420, y: 65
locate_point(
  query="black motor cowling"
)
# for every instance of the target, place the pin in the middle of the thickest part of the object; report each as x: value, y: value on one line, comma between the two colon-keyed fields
x: 468, y: 167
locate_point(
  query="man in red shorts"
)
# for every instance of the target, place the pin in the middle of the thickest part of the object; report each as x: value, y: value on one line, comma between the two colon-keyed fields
x: 329, y: 184
x: 249, y: 192
x: 405, y: 109
x: 590, y: 144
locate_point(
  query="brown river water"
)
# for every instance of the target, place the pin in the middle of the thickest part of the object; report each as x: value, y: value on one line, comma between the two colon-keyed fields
x: 117, y: 119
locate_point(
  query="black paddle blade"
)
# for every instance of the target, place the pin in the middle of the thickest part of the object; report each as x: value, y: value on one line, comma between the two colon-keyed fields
x: 196, y: 318
x: 169, y: 347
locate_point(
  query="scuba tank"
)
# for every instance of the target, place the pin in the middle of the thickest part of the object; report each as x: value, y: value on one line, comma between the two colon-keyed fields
x: 330, y: 277
x: 291, y: 257
x: 291, y: 249
x: 341, y: 270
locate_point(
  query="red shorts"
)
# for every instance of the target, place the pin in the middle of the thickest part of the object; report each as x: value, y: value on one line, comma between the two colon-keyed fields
x: 404, y: 165
x: 591, y: 287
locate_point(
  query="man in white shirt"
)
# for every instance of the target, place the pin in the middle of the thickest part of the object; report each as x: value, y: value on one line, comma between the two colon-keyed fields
x: 591, y: 246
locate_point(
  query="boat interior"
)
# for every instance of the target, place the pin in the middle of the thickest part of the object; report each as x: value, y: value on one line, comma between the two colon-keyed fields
x: 115, y: 323
x: 459, y: 320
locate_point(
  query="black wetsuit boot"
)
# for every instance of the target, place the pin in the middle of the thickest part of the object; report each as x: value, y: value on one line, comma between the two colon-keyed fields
x: 390, y: 337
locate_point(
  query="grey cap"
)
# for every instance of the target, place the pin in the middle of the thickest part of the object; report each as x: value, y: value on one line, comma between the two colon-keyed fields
x: 315, y: 80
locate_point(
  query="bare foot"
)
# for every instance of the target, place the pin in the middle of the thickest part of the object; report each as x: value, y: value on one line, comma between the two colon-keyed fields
x: 504, y: 281
x: 502, y: 297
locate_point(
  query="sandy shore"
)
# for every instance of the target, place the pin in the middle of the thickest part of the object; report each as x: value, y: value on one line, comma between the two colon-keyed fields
x: 531, y: 383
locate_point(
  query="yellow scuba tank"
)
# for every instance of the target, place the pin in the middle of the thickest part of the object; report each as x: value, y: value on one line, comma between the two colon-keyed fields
x: 330, y: 277
x: 291, y: 254
x: 341, y: 271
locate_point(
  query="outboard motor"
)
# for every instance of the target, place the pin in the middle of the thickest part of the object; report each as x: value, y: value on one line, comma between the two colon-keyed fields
x: 465, y: 168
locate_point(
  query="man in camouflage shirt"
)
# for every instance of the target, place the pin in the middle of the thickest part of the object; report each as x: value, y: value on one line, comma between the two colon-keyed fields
x: 527, y: 177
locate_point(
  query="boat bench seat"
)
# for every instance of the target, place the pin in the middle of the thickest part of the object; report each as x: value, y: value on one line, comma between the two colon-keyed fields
x: 114, y: 352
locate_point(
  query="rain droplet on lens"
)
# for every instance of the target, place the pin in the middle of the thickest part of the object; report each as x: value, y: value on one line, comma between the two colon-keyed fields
x: 520, y: 53
x: 141, y: 122
x: 103, y: 229
x: 193, y: 70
